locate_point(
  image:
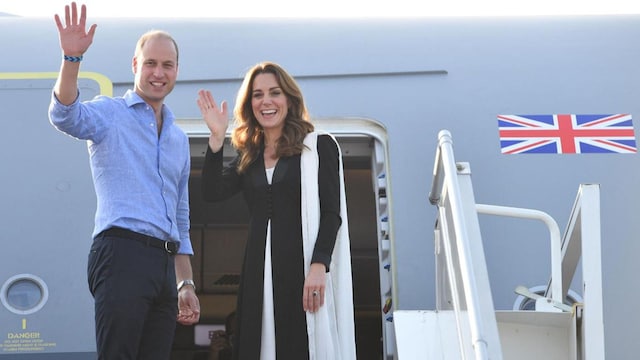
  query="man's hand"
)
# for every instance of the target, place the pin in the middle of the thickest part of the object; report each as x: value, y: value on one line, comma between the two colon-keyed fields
x: 219, y: 344
x: 74, y: 40
x: 188, y: 306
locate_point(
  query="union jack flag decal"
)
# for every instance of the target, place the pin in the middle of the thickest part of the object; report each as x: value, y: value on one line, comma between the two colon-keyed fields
x: 566, y: 134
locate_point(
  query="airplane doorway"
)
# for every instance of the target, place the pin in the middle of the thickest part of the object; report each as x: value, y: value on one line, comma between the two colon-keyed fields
x: 219, y: 232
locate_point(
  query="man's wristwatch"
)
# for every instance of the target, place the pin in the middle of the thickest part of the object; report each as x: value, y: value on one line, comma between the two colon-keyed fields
x: 182, y: 283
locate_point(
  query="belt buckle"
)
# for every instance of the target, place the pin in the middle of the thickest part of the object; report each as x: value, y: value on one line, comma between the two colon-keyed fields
x: 168, y: 248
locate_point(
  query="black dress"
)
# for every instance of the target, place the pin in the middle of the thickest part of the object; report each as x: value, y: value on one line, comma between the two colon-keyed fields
x: 280, y: 203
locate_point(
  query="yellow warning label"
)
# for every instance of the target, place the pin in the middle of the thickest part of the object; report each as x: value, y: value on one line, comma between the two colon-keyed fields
x: 29, y: 341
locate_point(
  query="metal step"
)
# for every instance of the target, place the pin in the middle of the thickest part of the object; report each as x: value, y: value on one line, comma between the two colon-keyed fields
x: 534, y: 335
x: 524, y: 335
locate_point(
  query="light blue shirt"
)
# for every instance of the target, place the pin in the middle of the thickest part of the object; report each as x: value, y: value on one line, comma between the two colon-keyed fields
x: 141, y: 180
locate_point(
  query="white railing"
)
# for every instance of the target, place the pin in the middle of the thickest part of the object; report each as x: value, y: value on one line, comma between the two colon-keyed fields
x: 465, y: 263
x: 462, y: 279
x: 582, y: 241
x: 554, y: 232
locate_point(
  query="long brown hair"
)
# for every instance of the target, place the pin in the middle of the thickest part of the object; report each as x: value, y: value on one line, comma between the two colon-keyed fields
x: 248, y: 135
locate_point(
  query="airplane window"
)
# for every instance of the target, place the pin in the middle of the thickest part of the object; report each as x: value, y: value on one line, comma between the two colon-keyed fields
x: 24, y: 294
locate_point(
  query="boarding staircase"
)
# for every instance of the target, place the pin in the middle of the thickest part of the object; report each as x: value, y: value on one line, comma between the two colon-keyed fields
x: 465, y: 324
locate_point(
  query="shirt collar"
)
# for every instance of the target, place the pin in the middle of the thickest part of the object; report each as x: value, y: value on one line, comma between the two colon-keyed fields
x: 131, y: 98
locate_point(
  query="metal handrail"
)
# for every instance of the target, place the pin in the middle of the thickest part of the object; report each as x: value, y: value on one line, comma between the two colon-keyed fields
x: 554, y: 232
x: 445, y: 163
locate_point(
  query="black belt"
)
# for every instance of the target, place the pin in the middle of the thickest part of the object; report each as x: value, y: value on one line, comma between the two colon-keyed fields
x: 169, y: 246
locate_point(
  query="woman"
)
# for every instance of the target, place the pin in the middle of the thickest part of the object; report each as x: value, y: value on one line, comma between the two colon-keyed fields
x: 295, y: 299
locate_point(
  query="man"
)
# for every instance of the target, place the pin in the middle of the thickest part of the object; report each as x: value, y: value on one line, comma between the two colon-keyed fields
x: 140, y: 164
x: 221, y: 344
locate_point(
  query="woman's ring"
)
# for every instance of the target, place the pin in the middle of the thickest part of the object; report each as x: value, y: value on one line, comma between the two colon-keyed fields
x: 315, y: 293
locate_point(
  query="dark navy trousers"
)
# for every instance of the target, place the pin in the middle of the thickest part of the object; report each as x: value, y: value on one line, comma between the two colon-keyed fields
x: 136, y: 301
